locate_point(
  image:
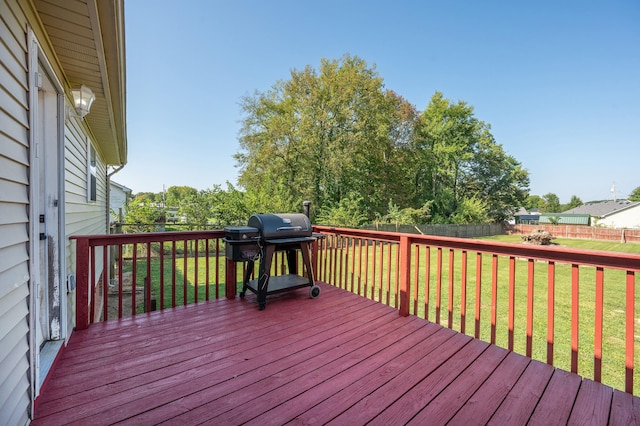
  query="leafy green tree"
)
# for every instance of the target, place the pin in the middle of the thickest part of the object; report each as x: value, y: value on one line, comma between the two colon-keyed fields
x: 148, y: 197
x: 348, y: 212
x: 573, y: 203
x: 470, y: 210
x: 197, y: 208
x: 320, y: 136
x: 325, y: 134
x: 456, y: 158
x: 407, y: 216
x: 534, y: 202
x: 229, y: 207
x: 635, y: 194
x: 175, y: 194
x: 143, y: 214
x: 554, y: 220
x: 551, y: 203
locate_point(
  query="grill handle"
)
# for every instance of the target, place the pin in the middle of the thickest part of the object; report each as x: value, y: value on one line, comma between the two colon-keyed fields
x: 290, y: 228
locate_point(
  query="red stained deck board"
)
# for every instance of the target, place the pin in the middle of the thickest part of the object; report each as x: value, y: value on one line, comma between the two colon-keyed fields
x: 334, y: 385
x: 120, y: 406
x: 226, y: 353
x: 311, y: 378
x: 230, y: 394
x: 371, y: 405
x: 339, y: 358
x: 557, y: 401
x: 450, y: 400
x: 625, y: 409
x: 592, y: 404
x: 482, y: 405
x: 520, y: 402
x: 323, y: 411
x: 405, y: 408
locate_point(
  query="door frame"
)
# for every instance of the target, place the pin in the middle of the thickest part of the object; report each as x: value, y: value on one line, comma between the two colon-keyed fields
x: 38, y: 65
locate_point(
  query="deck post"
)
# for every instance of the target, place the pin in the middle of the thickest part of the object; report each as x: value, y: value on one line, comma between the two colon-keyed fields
x: 82, y: 283
x: 230, y: 279
x: 405, y: 274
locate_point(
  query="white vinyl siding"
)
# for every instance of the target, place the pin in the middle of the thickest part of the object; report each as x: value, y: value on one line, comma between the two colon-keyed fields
x: 81, y: 216
x: 14, y: 220
x: 627, y: 218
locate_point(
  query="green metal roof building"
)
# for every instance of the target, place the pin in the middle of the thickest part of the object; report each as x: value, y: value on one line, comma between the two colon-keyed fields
x: 565, y: 218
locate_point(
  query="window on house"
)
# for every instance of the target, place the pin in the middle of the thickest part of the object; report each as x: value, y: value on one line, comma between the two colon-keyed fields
x: 91, y: 173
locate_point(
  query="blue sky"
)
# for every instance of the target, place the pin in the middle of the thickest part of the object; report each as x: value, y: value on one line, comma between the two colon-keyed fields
x: 558, y: 81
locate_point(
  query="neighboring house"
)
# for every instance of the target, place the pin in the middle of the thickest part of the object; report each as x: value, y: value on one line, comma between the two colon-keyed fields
x: 54, y: 173
x: 611, y: 214
x: 119, y: 196
x: 526, y: 218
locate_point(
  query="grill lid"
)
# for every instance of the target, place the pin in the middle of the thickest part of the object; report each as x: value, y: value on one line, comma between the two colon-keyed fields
x: 281, y: 226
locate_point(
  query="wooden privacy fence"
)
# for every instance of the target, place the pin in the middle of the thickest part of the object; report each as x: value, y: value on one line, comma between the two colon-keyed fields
x: 444, y: 230
x: 580, y: 232
x: 550, y: 303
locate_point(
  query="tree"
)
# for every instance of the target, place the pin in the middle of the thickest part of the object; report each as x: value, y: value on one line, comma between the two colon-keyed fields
x: 175, y: 194
x: 148, y: 197
x: 322, y: 135
x: 407, y: 216
x: 196, y: 208
x: 470, y: 210
x: 230, y: 207
x: 348, y: 212
x: 551, y: 203
x: 456, y: 158
x: 534, y: 202
x: 635, y: 194
x: 143, y: 213
x: 573, y: 203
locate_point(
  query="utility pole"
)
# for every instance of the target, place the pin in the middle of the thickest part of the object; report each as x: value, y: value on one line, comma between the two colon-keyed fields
x: 613, y: 191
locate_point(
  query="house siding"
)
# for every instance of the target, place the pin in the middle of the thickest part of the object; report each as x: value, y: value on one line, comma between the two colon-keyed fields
x: 80, y: 217
x: 627, y: 218
x: 14, y: 220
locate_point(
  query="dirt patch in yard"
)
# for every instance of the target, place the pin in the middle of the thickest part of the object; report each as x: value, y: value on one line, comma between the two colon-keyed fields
x: 112, y: 300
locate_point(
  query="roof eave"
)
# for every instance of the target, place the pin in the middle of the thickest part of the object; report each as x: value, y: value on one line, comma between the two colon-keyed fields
x: 110, y: 34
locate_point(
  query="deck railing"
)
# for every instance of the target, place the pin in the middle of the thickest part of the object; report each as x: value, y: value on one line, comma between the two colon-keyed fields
x: 121, y: 275
x: 574, y: 309
x: 159, y: 269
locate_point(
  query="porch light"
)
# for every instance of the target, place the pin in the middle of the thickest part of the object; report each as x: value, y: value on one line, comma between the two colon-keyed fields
x: 83, y: 97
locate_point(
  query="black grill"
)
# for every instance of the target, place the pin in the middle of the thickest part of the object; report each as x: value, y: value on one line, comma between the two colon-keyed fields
x: 265, y: 235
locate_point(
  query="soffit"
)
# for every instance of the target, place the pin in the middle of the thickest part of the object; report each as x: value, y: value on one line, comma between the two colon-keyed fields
x: 87, y: 37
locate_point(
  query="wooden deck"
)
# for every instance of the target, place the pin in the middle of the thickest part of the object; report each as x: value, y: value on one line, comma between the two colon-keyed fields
x: 338, y: 359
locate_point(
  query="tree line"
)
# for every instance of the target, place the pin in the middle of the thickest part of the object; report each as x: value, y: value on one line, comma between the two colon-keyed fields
x: 361, y: 153
x: 218, y: 207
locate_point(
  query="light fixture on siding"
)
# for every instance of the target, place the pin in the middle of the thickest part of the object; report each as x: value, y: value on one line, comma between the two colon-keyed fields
x: 83, y: 97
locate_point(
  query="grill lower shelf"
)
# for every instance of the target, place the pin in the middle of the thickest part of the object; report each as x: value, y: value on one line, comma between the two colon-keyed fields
x: 265, y: 285
x: 281, y: 283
